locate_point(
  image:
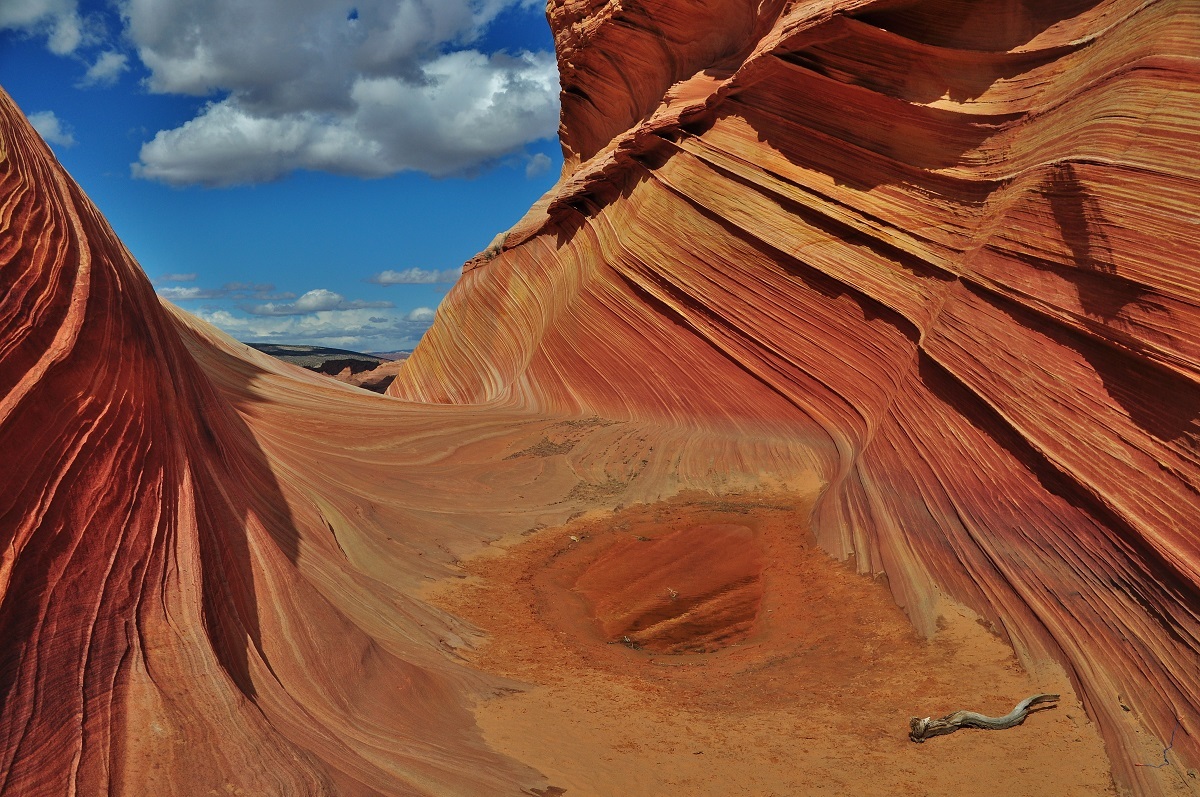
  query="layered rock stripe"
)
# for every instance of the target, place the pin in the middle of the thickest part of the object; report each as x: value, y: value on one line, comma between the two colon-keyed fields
x: 950, y: 246
x: 942, y: 254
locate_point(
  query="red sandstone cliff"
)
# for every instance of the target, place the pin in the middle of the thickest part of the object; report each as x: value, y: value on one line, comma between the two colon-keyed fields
x: 183, y: 611
x: 941, y: 253
x: 952, y: 246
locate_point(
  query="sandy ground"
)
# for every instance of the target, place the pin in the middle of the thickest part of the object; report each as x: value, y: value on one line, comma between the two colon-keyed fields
x: 807, y: 681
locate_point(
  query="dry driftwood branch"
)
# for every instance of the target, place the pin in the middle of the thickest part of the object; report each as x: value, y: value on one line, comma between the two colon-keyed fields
x: 921, y: 729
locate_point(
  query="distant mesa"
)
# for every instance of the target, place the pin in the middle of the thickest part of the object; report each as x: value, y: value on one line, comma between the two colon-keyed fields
x: 398, y: 354
x: 372, y: 372
x: 321, y: 358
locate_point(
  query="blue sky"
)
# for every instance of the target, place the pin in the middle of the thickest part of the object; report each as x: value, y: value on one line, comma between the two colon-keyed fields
x: 299, y: 171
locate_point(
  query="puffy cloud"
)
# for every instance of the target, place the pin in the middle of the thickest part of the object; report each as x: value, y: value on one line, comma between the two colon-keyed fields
x: 416, y: 276
x: 58, y: 20
x: 318, y: 317
x: 66, y: 35
x: 296, y: 54
x: 230, y: 290
x: 313, y: 301
x: 392, y: 87
x: 52, y: 129
x: 176, y: 294
x: 538, y: 164
x: 362, y: 330
x: 108, y: 67
x: 469, y: 109
x: 25, y: 14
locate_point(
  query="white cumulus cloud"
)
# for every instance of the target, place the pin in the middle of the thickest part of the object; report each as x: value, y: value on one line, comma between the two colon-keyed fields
x: 361, y: 330
x: 313, y: 301
x: 538, y: 164
x: 52, y: 129
x: 108, y: 67
x: 178, y: 294
x: 383, y: 87
x: 416, y: 276
x: 228, y: 291
x: 423, y: 314
x: 58, y: 20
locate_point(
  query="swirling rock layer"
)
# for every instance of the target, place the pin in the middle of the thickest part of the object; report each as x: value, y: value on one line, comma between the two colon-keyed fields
x: 950, y: 247
x: 182, y: 612
x: 212, y: 563
x: 940, y: 254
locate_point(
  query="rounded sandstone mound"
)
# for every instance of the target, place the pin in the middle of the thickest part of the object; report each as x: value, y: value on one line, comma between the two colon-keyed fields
x: 693, y: 590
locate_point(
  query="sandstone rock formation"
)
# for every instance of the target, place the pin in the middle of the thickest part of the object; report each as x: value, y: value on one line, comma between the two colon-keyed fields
x: 941, y: 254
x: 183, y: 613
x: 377, y: 380
x: 951, y: 246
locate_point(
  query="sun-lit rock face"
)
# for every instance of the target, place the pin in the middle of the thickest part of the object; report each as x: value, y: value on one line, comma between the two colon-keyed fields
x: 183, y: 612
x: 617, y: 60
x: 213, y: 564
x: 951, y: 247
x: 942, y: 255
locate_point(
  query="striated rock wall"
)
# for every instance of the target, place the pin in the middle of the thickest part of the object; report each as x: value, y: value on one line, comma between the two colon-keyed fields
x: 943, y: 254
x: 951, y: 247
x: 192, y: 600
x: 213, y: 565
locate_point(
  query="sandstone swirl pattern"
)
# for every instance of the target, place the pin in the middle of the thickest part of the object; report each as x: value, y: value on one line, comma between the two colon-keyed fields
x: 211, y: 563
x: 942, y: 254
x: 951, y: 246
x: 182, y: 611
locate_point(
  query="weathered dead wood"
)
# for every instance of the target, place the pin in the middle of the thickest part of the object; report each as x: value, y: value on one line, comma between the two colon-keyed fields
x: 921, y: 729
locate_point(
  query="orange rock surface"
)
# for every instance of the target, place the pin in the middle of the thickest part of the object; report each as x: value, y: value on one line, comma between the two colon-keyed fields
x: 376, y: 380
x: 931, y: 265
x: 950, y: 246
x: 696, y: 589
